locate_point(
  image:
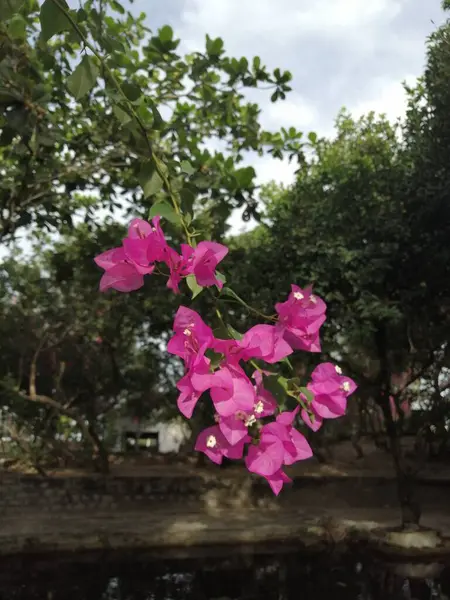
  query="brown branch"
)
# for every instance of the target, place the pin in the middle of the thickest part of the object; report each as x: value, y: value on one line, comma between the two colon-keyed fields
x: 32, y: 383
x: 87, y: 430
x: 416, y: 376
x: 15, y: 436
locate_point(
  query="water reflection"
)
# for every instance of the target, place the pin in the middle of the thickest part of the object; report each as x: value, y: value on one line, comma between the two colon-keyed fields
x: 287, y: 576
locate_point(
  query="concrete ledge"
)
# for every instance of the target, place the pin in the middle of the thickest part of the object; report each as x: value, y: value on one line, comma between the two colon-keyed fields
x: 175, y: 531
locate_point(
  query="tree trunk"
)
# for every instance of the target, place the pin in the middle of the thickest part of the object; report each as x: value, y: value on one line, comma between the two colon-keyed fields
x: 102, y: 454
x: 410, y: 509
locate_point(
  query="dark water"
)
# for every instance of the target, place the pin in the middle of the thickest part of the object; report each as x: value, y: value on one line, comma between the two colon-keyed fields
x: 280, y: 576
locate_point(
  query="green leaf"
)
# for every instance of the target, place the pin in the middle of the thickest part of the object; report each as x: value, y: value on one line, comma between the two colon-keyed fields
x: 17, y: 27
x: 215, y: 358
x: 166, y: 34
x: 234, y: 333
x: 123, y: 116
x: 226, y: 291
x: 221, y: 277
x: 308, y: 394
x: 117, y: 7
x: 187, y: 200
x: 149, y: 179
x: 111, y: 44
x: 283, y: 382
x: 164, y: 210
x: 131, y: 91
x: 214, y: 48
x: 41, y: 93
x: 312, y: 137
x: 158, y: 121
x: 9, y: 8
x: 245, y: 176
x: 84, y: 78
x: 82, y: 15
x: 272, y: 385
x: 53, y: 20
x: 187, y: 168
x: 193, y: 286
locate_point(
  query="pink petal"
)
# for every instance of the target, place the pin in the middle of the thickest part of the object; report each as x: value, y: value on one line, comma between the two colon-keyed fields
x: 313, y: 425
x: 139, y: 229
x: 110, y: 258
x: 277, y: 480
x: 122, y: 277
x: 188, y: 398
x: 301, y: 446
x: 324, y: 372
x: 233, y: 429
x: 235, y: 452
x: 265, y: 460
x: 330, y: 407
x: 287, y: 417
x: 136, y: 250
x: 219, y: 250
x: 215, y: 454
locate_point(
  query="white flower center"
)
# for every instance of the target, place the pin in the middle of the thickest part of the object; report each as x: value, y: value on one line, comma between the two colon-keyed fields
x: 338, y: 370
x: 259, y: 407
x: 187, y: 332
x: 346, y: 386
x: 298, y: 296
x: 250, y: 421
x: 211, y: 442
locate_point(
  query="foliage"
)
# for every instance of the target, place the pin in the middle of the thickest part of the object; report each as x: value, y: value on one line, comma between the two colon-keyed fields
x: 82, y: 94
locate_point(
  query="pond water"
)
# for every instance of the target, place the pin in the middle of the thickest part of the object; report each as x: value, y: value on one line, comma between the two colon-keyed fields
x: 238, y: 576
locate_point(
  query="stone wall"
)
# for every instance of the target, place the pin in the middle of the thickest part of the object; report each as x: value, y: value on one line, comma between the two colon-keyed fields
x: 105, y: 493
x: 95, y: 493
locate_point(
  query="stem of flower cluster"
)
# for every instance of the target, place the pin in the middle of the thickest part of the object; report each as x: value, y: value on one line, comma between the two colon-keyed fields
x: 112, y: 77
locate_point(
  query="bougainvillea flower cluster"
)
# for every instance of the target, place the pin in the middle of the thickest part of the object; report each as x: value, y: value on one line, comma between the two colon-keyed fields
x: 247, y: 422
x: 144, y: 247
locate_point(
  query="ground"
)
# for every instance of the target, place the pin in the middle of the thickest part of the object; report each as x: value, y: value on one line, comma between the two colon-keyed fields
x: 346, y: 499
x: 344, y: 463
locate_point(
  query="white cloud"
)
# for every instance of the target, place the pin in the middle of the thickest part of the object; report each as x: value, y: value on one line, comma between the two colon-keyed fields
x: 387, y: 97
x: 295, y: 111
x: 241, y: 22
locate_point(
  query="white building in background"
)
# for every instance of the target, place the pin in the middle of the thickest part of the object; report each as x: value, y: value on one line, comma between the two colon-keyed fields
x: 162, y: 437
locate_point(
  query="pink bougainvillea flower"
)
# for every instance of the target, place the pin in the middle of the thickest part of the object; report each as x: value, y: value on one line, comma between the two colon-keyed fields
x: 189, y: 396
x: 191, y: 333
x: 295, y: 445
x: 277, y: 480
x: 330, y: 390
x: 332, y: 375
x: 234, y: 427
x: 266, y: 405
x: 213, y: 443
x: 119, y: 274
x: 178, y: 265
x: 279, y: 444
x: 109, y: 259
x: 265, y: 458
x: 204, y: 260
x: 145, y: 243
x: 314, y: 424
x: 230, y: 388
x: 229, y: 348
x: 264, y: 342
x: 300, y: 319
